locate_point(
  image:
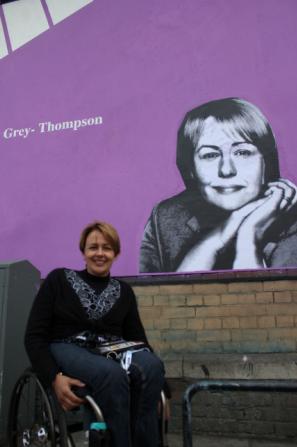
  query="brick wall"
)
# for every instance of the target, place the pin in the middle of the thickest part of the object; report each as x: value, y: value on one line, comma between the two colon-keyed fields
x: 226, y: 328
x: 244, y: 317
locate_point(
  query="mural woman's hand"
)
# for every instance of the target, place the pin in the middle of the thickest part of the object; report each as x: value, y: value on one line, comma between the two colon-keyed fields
x: 278, y: 199
x: 289, y: 190
x: 204, y: 254
x: 228, y: 231
x: 247, y: 225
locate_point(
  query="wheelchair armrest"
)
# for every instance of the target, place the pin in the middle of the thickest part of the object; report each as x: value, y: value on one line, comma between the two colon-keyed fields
x: 82, y: 391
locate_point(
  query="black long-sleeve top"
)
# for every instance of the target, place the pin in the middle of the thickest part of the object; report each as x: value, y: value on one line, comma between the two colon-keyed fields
x: 57, y: 313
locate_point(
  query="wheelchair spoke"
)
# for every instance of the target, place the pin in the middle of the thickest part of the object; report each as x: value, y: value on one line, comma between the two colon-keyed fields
x: 31, y: 419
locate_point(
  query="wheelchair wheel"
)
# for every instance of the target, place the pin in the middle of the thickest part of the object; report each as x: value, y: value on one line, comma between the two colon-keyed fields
x: 31, y: 421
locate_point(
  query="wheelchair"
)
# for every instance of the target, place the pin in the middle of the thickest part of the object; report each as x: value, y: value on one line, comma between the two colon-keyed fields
x: 36, y: 419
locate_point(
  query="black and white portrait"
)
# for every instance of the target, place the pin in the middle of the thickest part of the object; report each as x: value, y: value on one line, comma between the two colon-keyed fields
x: 236, y: 212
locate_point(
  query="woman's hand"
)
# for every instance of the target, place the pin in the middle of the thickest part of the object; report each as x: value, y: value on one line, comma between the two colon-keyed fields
x: 248, y: 225
x: 289, y: 190
x: 62, y: 386
x: 278, y: 199
x: 204, y: 254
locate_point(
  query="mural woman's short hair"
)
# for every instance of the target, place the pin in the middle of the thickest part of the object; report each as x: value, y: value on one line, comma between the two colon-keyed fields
x: 236, y: 114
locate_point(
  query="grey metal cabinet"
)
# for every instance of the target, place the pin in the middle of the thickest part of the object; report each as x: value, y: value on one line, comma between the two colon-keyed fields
x: 19, y: 282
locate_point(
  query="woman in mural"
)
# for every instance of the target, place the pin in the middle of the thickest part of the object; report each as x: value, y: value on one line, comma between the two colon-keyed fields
x: 236, y: 212
x: 75, y: 311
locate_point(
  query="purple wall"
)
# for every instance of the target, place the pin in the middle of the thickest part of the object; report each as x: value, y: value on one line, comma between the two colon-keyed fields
x: 140, y: 67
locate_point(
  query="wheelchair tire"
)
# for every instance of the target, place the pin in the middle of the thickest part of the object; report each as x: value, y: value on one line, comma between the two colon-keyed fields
x: 31, y: 419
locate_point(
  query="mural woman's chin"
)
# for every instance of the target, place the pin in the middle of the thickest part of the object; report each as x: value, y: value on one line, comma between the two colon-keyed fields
x: 231, y: 202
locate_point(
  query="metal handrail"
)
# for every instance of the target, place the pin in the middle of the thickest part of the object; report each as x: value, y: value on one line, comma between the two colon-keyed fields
x: 228, y: 385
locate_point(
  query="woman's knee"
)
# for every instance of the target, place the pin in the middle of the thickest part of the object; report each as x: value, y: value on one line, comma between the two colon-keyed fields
x: 149, y: 366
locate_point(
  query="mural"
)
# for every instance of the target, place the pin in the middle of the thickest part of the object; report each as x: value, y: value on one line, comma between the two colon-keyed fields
x: 236, y: 212
x: 89, y: 113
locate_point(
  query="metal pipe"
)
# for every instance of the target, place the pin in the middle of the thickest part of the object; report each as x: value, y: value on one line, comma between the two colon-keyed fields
x: 164, y: 440
x: 95, y: 407
x: 228, y: 385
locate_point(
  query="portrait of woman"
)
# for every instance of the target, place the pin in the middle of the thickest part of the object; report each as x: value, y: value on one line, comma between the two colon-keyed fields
x: 236, y: 212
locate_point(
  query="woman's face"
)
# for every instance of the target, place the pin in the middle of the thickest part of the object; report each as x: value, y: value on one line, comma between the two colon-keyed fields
x: 229, y: 170
x: 98, y: 254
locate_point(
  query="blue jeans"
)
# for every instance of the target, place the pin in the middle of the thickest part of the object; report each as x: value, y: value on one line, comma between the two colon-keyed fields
x: 129, y: 409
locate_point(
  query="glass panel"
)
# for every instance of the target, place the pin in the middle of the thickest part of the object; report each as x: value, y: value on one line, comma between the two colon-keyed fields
x: 61, y: 9
x: 25, y: 20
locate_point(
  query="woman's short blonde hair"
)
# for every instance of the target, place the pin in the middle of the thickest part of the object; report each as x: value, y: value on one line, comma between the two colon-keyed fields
x: 237, y: 115
x: 108, y: 231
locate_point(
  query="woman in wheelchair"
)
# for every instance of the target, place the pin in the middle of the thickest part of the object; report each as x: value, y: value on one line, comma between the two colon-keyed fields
x: 74, y: 315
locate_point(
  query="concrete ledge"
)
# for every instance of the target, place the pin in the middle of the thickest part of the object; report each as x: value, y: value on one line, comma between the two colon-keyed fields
x: 234, y: 366
x: 212, y: 276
